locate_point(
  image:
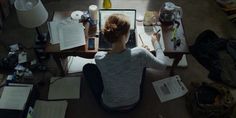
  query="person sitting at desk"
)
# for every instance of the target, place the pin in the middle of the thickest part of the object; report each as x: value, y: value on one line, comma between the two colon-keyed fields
x: 116, y: 79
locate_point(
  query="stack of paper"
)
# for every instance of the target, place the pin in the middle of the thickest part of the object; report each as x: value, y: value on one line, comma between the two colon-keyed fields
x: 67, y: 34
x: 170, y: 88
x: 64, y: 88
x: 53, y: 31
x: 71, y: 35
x: 49, y: 109
x: 15, y: 96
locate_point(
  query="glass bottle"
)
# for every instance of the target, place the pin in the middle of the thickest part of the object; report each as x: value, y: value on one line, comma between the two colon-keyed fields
x: 107, y: 4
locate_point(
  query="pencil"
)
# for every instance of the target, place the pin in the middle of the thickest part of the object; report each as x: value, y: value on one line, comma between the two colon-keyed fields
x: 141, y: 39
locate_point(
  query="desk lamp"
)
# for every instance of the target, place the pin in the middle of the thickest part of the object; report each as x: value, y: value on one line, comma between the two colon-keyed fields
x: 31, y: 14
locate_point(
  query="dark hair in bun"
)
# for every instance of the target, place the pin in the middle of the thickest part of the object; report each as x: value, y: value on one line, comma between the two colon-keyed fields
x: 115, y: 27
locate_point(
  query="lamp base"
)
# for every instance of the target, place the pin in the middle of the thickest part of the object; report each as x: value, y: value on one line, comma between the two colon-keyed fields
x: 41, y: 39
x: 40, y: 45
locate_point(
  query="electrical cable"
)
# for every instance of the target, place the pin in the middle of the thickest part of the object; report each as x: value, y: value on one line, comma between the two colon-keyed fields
x: 56, y: 80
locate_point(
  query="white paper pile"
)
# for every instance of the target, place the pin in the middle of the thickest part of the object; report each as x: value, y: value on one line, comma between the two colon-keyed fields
x: 71, y: 35
x: 68, y: 34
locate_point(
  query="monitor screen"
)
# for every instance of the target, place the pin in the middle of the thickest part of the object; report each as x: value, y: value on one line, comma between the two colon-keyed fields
x: 104, y: 14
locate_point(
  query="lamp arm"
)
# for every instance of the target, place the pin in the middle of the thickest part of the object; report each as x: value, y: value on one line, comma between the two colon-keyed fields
x: 40, y: 36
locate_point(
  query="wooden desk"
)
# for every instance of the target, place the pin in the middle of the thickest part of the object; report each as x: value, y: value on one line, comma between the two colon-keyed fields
x: 169, y: 51
x: 82, y: 51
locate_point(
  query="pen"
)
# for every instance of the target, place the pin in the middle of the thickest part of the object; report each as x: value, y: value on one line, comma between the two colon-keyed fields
x: 143, y: 45
x: 157, y: 31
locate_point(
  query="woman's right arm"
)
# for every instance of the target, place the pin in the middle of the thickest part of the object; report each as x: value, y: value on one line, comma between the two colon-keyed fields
x: 159, y: 52
x: 158, y: 62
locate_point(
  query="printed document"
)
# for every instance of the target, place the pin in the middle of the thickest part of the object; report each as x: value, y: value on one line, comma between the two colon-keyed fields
x: 71, y: 35
x: 170, y: 88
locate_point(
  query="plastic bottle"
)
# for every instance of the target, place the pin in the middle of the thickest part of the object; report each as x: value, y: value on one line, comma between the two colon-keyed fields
x: 107, y: 4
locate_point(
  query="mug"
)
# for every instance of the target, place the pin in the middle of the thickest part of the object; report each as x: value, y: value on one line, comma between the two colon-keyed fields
x: 150, y: 18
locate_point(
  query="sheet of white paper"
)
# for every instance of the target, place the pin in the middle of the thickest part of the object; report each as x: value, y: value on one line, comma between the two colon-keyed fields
x: 169, y: 88
x: 49, y: 109
x: 14, y: 97
x: 76, y: 64
x: 10, y: 77
x: 54, y: 32
x: 14, y: 47
x: 65, y: 88
x: 145, y: 32
x: 71, y: 35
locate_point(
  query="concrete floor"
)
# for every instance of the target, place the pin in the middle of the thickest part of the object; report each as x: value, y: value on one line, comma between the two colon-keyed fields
x: 199, y: 15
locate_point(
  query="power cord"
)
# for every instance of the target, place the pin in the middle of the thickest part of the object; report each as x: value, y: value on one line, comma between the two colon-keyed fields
x: 56, y: 80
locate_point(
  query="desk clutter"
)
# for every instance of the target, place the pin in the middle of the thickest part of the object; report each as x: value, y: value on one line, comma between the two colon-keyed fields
x: 17, y: 98
x: 19, y: 65
x: 68, y: 33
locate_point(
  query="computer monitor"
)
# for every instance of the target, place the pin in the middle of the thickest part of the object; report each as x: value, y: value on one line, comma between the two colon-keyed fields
x: 105, y: 13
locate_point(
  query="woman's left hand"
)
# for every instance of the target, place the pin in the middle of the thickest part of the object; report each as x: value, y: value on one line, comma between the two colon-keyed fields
x: 146, y: 47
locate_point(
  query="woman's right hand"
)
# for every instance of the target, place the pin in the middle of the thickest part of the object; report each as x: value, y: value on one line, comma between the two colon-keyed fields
x: 155, y: 37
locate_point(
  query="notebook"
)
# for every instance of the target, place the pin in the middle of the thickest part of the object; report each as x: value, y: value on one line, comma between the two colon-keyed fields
x: 104, y: 14
x: 15, y: 96
x: 64, y: 88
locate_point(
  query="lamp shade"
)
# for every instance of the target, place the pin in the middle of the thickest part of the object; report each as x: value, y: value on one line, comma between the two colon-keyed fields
x: 31, y: 13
